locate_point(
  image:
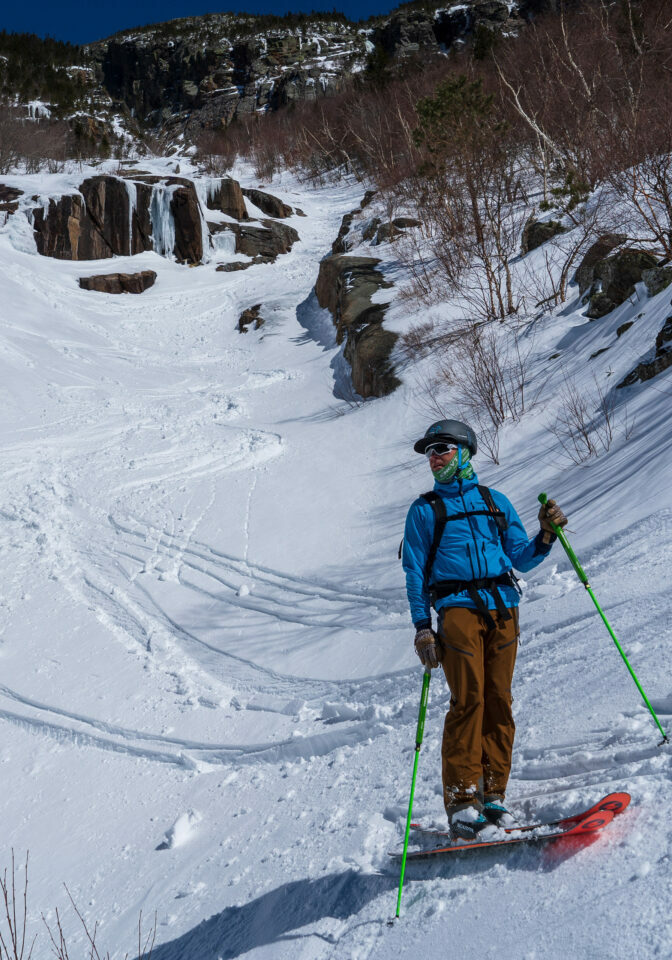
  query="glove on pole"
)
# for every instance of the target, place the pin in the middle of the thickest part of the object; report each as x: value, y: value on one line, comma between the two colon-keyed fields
x: 418, y: 743
x: 584, y: 580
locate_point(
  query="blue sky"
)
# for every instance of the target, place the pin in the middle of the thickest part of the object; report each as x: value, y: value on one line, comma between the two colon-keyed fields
x: 82, y: 22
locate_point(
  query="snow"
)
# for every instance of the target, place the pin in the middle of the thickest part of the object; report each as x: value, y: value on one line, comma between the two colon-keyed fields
x: 209, y: 693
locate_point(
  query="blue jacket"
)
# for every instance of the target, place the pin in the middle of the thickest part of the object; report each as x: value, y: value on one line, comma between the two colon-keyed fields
x: 470, y: 549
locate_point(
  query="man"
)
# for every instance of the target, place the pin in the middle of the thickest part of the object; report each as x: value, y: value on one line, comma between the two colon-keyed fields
x: 460, y: 544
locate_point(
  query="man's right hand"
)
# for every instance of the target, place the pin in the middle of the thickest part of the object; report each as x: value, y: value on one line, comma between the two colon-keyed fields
x: 426, y: 647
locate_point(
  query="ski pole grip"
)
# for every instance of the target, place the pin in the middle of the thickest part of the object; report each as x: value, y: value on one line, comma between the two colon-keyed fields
x: 560, y: 534
x: 543, y: 500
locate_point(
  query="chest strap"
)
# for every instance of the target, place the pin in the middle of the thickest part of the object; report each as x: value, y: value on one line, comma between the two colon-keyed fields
x: 445, y: 588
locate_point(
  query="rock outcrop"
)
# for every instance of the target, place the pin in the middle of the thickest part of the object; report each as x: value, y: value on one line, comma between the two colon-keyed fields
x: 538, y: 232
x: 114, y: 216
x: 227, y: 196
x: 374, y: 229
x: 186, y: 212
x: 417, y: 32
x: 661, y: 359
x: 340, y: 243
x: 250, y: 316
x: 90, y: 225
x: 268, y: 204
x: 657, y: 279
x: 9, y: 199
x: 614, y: 279
x: 602, y: 247
x: 264, y: 241
x: 233, y: 266
x: 346, y: 286
x: 119, y: 282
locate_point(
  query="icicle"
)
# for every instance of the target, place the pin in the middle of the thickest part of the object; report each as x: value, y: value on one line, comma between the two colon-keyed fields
x: 163, y: 224
x: 214, y: 187
x: 224, y: 242
x: 205, y: 190
x: 132, y: 191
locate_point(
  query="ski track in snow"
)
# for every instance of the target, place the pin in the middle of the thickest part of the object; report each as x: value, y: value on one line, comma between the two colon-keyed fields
x: 220, y: 715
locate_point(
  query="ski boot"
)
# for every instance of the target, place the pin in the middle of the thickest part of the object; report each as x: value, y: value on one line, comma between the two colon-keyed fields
x: 496, y: 813
x: 468, y: 823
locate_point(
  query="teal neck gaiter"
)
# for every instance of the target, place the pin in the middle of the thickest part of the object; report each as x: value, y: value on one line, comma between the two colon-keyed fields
x: 459, y: 468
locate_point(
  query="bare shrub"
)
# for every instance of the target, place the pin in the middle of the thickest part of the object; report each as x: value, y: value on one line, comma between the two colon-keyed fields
x: 34, y: 144
x: 418, y: 341
x: 546, y: 285
x: 585, y: 425
x: 589, y: 87
x: 159, y: 144
x: 59, y: 942
x: 216, y: 152
x: 484, y: 372
x: 10, y: 139
x: 13, y: 943
x: 491, y: 378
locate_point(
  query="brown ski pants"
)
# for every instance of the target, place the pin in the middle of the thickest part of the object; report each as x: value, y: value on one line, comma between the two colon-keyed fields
x: 478, y: 733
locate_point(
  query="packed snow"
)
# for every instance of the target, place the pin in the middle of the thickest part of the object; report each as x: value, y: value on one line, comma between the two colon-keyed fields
x: 209, y: 693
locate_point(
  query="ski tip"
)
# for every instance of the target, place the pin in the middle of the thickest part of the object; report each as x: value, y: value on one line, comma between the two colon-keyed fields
x: 591, y: 824
x: 615, y: 802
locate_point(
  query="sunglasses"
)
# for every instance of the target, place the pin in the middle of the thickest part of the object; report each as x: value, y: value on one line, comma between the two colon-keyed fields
x: 438, y: 449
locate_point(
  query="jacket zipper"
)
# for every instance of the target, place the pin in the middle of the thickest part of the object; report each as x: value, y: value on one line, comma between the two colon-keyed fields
x: 473, y: 573
x: 473, y: 535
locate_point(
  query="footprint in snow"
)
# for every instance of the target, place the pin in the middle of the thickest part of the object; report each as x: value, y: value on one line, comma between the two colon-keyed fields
x: 181, y: 831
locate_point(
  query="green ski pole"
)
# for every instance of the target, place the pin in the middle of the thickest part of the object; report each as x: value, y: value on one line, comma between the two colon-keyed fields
x: 584, y: 580
x: 424, y: 697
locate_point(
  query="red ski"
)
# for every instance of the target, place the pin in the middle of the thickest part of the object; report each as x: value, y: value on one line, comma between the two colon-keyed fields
x: 614, y: 802
x: 588, y: 825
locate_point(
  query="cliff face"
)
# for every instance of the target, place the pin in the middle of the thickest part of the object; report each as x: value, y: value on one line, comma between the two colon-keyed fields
x: 204, y: 73
x: 208, y: 81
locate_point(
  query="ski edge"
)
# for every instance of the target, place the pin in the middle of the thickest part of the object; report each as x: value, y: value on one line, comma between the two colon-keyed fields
x: 588, y: 825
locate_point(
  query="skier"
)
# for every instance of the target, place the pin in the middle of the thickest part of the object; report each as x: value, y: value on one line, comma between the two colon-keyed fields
x: 460, y: 543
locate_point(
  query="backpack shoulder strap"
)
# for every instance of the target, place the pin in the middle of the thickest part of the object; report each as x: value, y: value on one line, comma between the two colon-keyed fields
x: 498, y: 515
x: 440, y: 520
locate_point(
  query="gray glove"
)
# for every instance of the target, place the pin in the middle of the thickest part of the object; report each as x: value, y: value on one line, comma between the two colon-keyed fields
x: 550, y: 513
x: 426, y: 647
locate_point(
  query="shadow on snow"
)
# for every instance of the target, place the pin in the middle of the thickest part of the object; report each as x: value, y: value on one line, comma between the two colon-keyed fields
x: 278, y: 915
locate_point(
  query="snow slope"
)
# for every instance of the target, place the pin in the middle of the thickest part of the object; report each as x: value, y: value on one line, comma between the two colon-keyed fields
x: 208, y: 691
